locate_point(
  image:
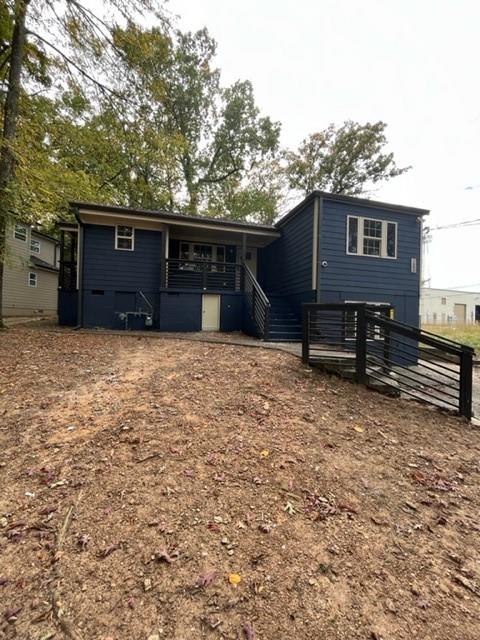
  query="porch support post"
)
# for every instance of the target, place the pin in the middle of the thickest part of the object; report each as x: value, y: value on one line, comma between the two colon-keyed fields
x: 165, y: 248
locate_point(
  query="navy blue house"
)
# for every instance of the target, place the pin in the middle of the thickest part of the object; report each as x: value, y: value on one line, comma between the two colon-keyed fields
x: 125, y: 268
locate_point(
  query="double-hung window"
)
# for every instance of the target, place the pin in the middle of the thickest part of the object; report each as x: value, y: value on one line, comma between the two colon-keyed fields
x: 34, y: 245
x: 371, y: 237
x: 20, y: 232
x: 32, y: 279
x: 124, y: 238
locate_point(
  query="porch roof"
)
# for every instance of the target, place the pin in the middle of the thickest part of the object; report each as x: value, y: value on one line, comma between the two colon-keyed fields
x: 177, y: 219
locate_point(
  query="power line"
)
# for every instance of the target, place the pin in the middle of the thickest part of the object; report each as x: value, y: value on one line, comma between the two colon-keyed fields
x: 464, y: 223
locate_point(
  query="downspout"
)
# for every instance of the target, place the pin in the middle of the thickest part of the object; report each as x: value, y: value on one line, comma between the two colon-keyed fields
x: 80, y: 262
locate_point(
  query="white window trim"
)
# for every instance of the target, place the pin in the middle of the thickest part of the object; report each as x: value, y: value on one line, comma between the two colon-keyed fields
x: 132, y: 238
x: 32, y: 273
x: 203, y: 244
x: 383, y: 239
x: 22, y: 226
x: 34, y: 240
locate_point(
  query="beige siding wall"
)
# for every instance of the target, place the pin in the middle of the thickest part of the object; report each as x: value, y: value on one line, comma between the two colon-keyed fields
x: 437, y: 306
x: 20, y: 299
x: 47, y: 249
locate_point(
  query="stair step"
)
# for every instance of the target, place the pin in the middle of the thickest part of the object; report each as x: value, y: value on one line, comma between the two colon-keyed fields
x: 284, y: 316
x: 291, y: 322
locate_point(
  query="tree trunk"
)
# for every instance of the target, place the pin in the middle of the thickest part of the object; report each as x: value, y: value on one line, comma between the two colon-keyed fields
x: 11, y: 110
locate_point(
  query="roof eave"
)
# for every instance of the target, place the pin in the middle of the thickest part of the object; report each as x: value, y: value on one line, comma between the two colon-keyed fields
x: 374, y: 204
x: 172, y: 217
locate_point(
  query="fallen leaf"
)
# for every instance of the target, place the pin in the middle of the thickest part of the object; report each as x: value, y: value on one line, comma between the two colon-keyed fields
x: 289, y: 508
x: 206, y: 578
x: 234, y: 578
x: 11, y: 614
x: 264, y: 453
x: 347, y: 506
x: 419, y: 477
x: 359, y: 429
x: 164, y: 556
x: 48, y: 510
x: 147, y: 584
x: 103, y: 553
x: 83, y: 540
x: 249, y: 631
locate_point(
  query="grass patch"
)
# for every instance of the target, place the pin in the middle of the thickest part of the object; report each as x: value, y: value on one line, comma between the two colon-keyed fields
x: 466, y: 334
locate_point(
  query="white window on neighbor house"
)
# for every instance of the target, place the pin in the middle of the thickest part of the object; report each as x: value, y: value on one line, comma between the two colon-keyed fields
x: 371, y: 237
x: 444, y: 301
x: 20, y: 232
x: 34, y: 245
x: 124, y: 238
x: 32, y: 279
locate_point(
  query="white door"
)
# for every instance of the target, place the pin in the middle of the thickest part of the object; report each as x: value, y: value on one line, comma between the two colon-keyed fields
x: 210, y: 312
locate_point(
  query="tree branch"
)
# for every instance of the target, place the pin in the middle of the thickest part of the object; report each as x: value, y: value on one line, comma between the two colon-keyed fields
x: 221, y: 178
x: 103, y: 88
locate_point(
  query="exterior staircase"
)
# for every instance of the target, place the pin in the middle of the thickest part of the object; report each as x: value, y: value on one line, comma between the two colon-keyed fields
x: 285, y: 325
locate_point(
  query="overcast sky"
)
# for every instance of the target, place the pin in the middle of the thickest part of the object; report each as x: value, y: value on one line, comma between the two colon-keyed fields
x: 412, y: 63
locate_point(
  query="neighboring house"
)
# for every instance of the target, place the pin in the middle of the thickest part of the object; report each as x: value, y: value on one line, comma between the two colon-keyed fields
x: 446, y: 306
x: 30, y: 278
x: 133, y: 268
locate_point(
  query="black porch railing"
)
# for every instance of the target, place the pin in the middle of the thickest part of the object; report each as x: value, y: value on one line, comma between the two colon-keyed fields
x: 257, y: 303
x: 202, y: 274
x: 361, y: 341
x: 68, y: 261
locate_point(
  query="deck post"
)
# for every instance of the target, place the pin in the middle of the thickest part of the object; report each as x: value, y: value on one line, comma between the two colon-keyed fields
x: 361, y: 346
x: 305, y: 334
x: 466, y: 372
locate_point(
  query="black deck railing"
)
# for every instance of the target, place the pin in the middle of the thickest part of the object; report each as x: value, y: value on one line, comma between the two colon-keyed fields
x: 202, y: 274
x: 258, y: 305
x: 363, y: 341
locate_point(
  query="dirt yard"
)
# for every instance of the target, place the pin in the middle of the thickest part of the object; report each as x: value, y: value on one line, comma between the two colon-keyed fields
x: 158, y: 489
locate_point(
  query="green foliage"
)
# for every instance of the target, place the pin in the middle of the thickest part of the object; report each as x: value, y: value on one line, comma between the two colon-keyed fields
x: 345, y: 160
x: 215, y: 135
x: 160, y: 130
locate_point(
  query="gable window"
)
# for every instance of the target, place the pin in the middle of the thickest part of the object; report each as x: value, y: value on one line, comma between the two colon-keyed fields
x: 34, y: 245
x: 371, y: 237
x: 124, y: 238
x: 32, y: 279
x: 20, y: 232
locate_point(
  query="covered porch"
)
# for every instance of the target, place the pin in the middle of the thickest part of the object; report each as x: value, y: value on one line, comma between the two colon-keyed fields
x: 211, y: 260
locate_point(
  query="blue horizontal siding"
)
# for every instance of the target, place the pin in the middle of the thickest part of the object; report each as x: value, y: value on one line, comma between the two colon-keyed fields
x: 349, y: 277
x: 285, y: 266
x: 104, y: 267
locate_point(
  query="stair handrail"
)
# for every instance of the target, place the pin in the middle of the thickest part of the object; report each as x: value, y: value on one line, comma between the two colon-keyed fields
x: 262, y: 320
x: 399, y: 356
x: 256, y: 285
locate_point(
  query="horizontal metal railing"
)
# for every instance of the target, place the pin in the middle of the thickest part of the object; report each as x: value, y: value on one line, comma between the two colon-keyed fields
x: 363, y: 339
x: 257, y: 303
x: 202, y: 274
